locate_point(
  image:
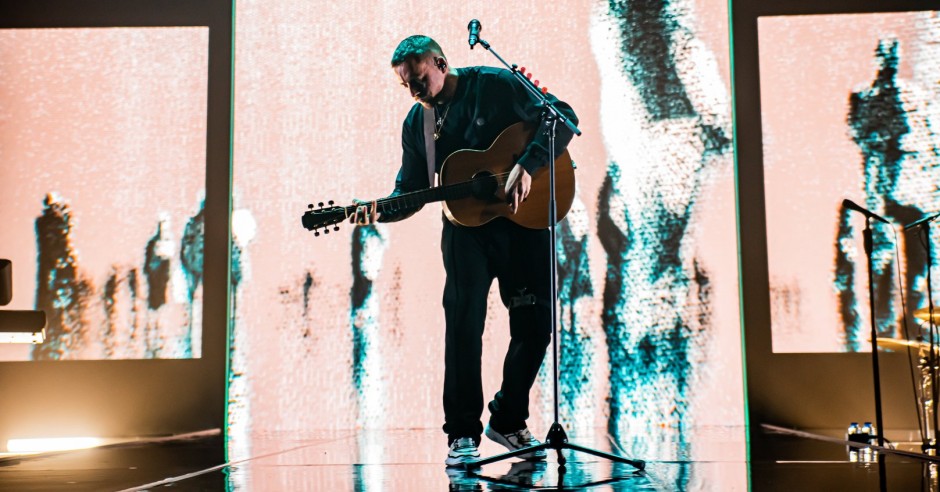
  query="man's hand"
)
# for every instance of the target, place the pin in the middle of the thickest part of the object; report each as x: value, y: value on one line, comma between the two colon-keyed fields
x: 365, y: 213
x: 517, y: 187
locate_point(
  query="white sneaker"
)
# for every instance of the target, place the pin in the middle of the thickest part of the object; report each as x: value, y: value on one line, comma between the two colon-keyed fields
x: 519, y: 439
x: 462, y: 451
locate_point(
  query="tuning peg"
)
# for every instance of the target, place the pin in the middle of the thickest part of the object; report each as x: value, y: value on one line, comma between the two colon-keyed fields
x: 330, y: 202
x: 335, y: 228
x: 536, y: 82
x: 326, y: 231
x: 544, y: 90
x: 310, y: 205
x: 522, y: 70
x: 529, y: 75
x: 320, y: 204
x: 316, y: 233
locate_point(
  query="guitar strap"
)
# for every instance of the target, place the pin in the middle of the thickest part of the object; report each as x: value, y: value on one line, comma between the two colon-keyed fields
x: 429, y: 142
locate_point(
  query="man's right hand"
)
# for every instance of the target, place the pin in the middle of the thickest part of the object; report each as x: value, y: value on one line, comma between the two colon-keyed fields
x: 365, y: 214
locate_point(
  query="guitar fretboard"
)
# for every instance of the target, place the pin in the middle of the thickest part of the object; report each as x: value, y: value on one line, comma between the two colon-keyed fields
x: 415, y: 199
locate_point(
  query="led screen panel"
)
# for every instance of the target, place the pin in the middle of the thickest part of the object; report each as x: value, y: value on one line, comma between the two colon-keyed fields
x: 102, y: 179
x: 345, y: 331
x: 849, y: 111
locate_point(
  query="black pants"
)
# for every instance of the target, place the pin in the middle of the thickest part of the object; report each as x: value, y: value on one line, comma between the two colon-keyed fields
x: 473, y: 257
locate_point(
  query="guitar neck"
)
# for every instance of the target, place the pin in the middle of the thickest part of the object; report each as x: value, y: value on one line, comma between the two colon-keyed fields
x: 415, y: 199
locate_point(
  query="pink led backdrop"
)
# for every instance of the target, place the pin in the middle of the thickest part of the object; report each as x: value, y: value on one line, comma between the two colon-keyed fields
x: 849, y: 110
x: 318, y: 116
x: 103, y: 137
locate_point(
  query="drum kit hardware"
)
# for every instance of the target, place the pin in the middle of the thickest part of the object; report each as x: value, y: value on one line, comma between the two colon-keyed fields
x: 902, y: 344
x: 924, y: 352
x: 925, y: 315
x: 929, y: 358
x: 899, y: 344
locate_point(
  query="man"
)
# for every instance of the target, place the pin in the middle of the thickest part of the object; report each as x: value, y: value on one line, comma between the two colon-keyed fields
x: 471, y: 106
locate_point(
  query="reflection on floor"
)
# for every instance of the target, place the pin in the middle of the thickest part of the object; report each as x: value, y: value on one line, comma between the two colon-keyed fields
x: 412, y: 460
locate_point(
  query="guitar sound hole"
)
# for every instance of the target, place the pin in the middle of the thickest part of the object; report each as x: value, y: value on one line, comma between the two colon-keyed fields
x: 483, y: 185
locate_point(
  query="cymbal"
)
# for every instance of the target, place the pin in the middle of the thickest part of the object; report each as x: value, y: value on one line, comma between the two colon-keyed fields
x: 924, y: 314
x: 900, y: 344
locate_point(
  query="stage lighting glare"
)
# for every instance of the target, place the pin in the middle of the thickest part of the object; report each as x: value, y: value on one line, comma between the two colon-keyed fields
x: 22, y: 326
x: 45, y: 445
x: 17, y: 326
x: 22, y: 336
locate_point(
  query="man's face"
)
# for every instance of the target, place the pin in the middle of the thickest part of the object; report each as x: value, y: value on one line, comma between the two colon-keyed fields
x: 423, y: 78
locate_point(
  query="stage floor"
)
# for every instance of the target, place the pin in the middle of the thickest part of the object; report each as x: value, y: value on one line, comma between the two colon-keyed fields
x: 718, y: 458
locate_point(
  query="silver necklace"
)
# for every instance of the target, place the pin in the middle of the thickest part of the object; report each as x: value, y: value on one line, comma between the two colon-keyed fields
x: 439, y: 124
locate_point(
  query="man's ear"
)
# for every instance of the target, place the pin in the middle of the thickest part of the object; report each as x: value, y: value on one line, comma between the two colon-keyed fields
x: 440, y: 62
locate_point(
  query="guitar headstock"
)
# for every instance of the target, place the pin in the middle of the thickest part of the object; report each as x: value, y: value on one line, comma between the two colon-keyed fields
x: 315, y: 219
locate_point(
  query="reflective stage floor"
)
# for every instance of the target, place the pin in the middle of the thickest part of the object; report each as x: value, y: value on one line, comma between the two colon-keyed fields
x: 716, y: 458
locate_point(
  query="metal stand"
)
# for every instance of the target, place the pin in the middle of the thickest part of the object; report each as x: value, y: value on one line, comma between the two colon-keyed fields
x: 874, y: 334
x: 556, y: 439
x: 923, y: 226
x: 876, y: 374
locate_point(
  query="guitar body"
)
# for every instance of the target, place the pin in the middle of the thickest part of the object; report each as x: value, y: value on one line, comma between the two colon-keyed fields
x: 498, y: 161
x: 469, y: 182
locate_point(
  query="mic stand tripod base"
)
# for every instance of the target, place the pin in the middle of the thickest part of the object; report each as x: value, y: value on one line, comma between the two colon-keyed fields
x: 557, y: 439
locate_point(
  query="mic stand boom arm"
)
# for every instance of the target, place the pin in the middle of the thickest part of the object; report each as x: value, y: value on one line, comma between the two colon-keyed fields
x: 547, y: 105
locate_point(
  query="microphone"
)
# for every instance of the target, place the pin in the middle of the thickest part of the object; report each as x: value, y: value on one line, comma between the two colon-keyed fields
x: 849, y: 204
x: 921, y: 221
x: 474, y: 28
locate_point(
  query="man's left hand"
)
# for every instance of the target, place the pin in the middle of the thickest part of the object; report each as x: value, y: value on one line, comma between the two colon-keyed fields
x: 517, y: 187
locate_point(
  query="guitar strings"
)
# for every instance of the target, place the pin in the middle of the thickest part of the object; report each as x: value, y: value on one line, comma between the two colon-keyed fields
x: 402, y: 198
x: 406, y: 196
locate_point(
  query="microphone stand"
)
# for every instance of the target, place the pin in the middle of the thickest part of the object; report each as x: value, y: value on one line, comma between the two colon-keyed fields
x: 556, y: 439
x: 876, y: 373
x: 869, y: 247
x: 874, y: 332
x: 925, y: 229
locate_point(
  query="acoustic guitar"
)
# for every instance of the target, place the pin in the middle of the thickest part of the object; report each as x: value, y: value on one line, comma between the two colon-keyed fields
x: 469, y: 181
